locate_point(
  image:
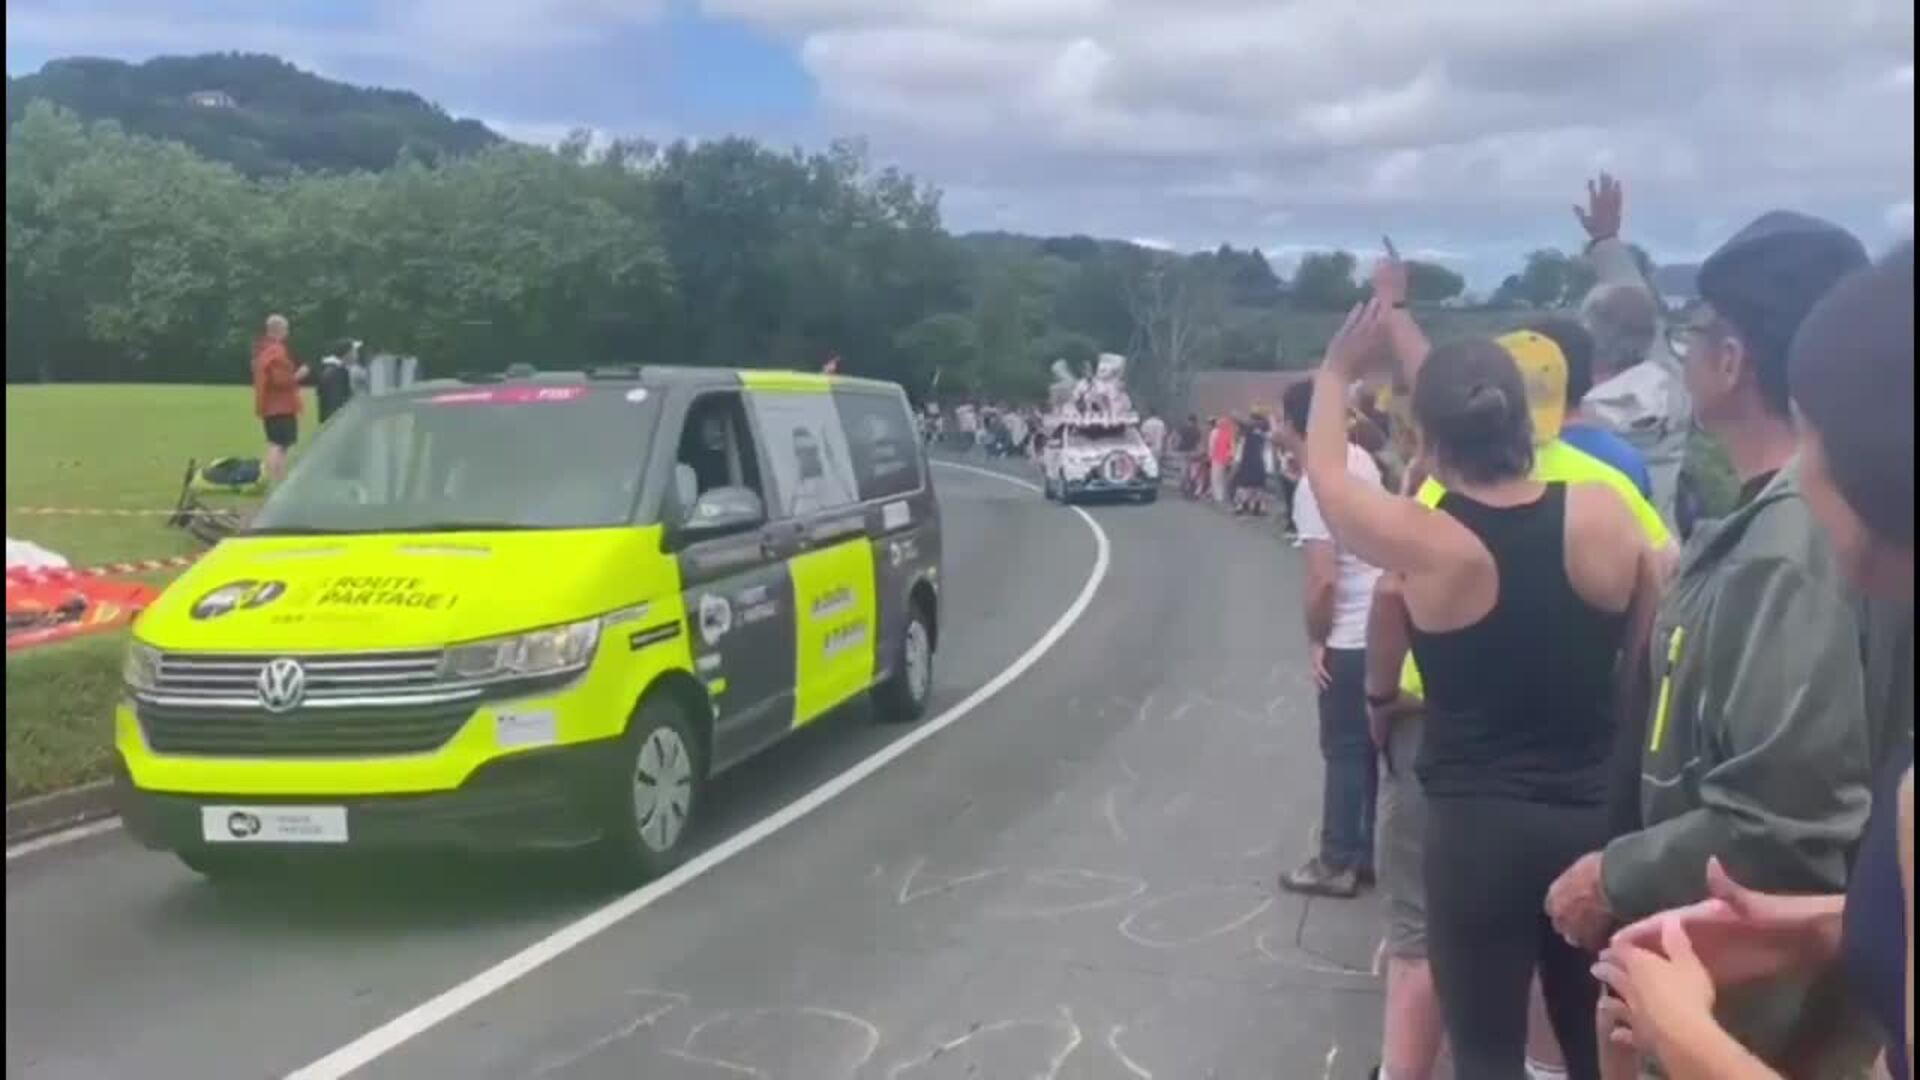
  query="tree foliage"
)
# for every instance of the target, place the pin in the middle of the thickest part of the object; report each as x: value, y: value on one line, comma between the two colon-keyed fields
x: 1325, y: 281
x: 259, y: 114
x: 1551, y: 278
x: 137, y: 259
x: 1431, y: 283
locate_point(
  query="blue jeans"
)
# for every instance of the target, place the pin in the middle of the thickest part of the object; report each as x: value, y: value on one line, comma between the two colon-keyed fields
x: 1353, y: 767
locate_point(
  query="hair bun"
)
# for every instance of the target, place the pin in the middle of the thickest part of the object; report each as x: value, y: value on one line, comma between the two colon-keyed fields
x: 1486, y: 411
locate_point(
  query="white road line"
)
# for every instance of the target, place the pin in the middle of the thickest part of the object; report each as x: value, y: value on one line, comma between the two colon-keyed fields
x: 64, y: 836
x: 454, y: 1000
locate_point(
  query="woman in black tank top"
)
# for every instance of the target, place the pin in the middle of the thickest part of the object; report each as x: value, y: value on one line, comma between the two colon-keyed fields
x: 1520, y: 596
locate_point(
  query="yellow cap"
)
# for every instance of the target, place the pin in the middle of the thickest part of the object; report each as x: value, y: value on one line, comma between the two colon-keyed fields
x: 1543, y: 367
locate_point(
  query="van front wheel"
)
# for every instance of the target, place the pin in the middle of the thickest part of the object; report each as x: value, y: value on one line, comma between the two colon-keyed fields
x: 903, y: 697
x: 657, y: 793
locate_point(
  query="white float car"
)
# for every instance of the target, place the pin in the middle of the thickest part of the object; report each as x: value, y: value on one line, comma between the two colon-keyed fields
x: 1097, y: 456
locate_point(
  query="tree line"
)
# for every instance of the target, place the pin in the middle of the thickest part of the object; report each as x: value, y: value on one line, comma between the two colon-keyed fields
x: 132, y: 259
x: 259, y: 114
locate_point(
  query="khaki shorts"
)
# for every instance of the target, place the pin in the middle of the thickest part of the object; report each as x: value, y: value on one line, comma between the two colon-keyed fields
x: 1400, y: 842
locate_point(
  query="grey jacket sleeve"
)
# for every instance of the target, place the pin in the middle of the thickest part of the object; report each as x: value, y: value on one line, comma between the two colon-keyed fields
x: 1785, y: 767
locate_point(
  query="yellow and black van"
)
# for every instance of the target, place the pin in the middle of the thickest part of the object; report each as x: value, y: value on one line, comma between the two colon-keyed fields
x: 537, y: 611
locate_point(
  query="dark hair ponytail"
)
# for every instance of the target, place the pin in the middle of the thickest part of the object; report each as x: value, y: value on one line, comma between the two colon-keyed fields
x: 1486, y: 413
x: 1471, y: 406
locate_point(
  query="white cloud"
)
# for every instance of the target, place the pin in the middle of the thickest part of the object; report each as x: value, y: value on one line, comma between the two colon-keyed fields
x: 1461, y: 124
x: 1900, y: 218
x: 1466, y: 127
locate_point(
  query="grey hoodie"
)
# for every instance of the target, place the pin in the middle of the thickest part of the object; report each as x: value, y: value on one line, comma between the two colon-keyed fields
x: 1646, y: 404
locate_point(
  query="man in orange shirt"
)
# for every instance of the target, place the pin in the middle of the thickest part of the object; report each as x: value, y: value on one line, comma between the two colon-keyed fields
x: 1220, y: 456
x: 276, y: 394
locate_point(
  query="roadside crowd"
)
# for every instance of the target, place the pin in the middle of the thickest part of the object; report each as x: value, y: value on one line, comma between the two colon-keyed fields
x: 1633, y: 807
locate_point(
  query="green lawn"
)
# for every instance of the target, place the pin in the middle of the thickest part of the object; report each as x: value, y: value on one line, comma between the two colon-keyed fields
x: 60, y: 702
x: 115, y: 447
x: 98, y: 447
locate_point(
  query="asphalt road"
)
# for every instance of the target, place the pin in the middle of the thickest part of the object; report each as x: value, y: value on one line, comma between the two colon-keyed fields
x: 1074, y: 880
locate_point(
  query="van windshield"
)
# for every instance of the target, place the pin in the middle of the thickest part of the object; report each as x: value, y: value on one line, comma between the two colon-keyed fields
x: 504, y: 457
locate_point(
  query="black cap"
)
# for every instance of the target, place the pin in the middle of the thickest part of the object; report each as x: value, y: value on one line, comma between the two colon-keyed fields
x: 1765, y: 280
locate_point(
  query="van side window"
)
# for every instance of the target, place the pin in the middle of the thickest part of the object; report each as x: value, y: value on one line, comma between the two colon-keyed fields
x: 884, y: 443
x: 717, y: 448
x: 812, y: 467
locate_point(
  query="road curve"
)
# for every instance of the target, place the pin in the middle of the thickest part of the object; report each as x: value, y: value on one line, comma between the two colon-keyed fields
x: 1073, y: 880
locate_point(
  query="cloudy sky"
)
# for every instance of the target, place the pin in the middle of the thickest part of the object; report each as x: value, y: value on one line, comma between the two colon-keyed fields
x: 1462, y: 128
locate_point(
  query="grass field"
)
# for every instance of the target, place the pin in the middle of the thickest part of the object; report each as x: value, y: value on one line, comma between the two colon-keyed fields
x: 98, y: 447
x: 117, y: 448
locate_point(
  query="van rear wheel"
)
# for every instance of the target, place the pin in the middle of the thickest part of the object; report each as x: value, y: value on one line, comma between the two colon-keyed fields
x: 902, y: 699
x: 656, y: 792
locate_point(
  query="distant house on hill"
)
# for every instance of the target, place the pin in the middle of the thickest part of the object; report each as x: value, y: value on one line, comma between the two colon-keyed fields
x: 212, y: 99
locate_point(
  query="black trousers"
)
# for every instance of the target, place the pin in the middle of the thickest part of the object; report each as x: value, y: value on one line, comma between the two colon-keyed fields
x: 1489, y: 863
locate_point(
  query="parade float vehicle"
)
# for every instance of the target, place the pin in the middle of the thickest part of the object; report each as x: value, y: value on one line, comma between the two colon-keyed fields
x: 1092, y: 443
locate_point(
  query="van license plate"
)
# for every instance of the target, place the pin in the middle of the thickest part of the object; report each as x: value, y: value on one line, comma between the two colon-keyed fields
x: 273, y: 824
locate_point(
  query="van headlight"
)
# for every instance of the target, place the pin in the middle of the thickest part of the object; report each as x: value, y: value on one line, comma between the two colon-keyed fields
x: 550, y: 651
x: 140, y: 670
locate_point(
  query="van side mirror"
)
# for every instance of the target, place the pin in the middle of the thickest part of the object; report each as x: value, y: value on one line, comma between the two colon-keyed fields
x: 720, y: 512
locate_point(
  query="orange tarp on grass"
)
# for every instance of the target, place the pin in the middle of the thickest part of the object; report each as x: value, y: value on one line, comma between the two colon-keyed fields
x: 47, y: 607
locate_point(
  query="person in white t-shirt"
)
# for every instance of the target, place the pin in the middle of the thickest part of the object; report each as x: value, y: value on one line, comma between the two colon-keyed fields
x: 1338, y: 595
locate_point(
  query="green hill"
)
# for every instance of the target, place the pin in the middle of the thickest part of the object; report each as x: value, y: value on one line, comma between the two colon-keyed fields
x: 259, y: 114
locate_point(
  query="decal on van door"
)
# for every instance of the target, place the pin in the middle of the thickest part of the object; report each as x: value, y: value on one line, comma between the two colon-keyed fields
x: 833, y: 593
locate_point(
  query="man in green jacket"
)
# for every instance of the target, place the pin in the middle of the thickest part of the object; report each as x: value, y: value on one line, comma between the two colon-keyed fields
x: 1757, y: 748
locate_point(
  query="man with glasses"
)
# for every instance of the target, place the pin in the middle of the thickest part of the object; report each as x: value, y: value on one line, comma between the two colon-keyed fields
x: 1755, y: 747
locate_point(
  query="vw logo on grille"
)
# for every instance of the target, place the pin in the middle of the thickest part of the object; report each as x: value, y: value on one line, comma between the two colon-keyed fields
x: 282, y: 685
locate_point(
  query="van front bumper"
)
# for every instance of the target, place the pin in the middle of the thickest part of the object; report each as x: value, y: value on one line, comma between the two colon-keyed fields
x: 548, y: 798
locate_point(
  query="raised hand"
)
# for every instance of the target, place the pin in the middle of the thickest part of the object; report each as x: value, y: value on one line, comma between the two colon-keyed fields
x: 1742, y: 936
x: 1361, y: 342
x: 1390, y: 281
x: 1601, y: 216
